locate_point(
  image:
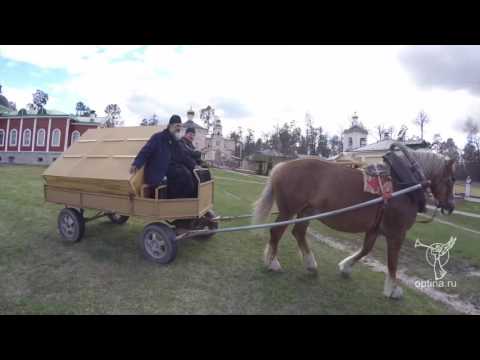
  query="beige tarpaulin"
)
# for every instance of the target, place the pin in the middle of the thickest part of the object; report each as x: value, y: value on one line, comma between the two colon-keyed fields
x: 100, y: 161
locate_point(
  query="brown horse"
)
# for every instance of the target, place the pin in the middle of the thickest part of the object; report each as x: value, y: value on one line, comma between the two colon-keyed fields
x: 309, y: 186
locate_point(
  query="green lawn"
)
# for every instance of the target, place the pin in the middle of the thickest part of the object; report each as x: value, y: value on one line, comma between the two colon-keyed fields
x: 225, y: 275
x: 468, y: 206
x: 474, y: 188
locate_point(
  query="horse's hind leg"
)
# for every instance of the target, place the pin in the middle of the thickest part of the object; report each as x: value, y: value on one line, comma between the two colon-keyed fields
x: 346, y: 265
x: 300, y: 231
x: 271, y: 250
x: 391, y: 288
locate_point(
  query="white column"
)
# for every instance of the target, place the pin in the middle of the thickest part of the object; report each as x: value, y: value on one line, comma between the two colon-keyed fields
x: 34, y: 137
x: 48, y: 134
x: 7, y: 134
x: 67, y: 131
x: 19, y: 137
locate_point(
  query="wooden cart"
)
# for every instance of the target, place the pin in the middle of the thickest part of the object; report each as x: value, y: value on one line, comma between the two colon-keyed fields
x: 94, y: 174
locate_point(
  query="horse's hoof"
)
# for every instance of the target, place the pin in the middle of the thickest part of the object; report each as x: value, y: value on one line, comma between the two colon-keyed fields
x: 275, y: 265
x: 395, y: 293
x: 310, y: 263
x: 345, y: 270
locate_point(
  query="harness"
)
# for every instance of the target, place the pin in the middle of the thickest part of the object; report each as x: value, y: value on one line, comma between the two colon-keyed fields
x: 405, y: 172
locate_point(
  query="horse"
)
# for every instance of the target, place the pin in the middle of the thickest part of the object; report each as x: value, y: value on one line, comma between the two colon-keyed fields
x: 305, y: 187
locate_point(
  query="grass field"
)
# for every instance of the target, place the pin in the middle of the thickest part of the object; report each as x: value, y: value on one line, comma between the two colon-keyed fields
x: 225, y: 275
x: 468, y: 206
x: 474, y: 188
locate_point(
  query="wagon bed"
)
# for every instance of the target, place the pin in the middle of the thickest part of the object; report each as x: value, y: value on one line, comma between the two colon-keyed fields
x: 94, y: 174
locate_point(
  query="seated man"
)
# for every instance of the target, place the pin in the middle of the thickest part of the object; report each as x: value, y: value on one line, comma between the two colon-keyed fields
x: 166, y: 162
x: 187, y: 143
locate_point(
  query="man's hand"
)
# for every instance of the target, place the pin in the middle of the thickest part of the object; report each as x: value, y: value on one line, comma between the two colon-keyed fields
x: 133, y: 169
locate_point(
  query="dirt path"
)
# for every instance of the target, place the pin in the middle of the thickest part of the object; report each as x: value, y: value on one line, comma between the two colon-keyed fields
x: 453, y: 225
x: 456, y: 212
x: 450, y: 300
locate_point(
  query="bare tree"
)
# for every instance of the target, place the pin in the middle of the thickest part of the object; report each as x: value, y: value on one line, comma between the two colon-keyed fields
x: 31, y: 108
x: 208, y: 117
x: 380, y: 130
x: 40, y: 99
x: 79, y: 108
x: 421, y: 120
x: 402, y: 134
x: 472, y: 128
x: 113, y: 115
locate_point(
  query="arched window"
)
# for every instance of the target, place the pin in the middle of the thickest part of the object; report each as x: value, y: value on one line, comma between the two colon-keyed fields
x: 41, y: 137
x: 13, y: 137
x: 27, y: 137
x: 2, y: 137
x: 75, y: 136
x: 56, y: 137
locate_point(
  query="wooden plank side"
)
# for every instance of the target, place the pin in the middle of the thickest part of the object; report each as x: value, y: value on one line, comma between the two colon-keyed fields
x: 149, y: 208
x: 166, y: 209
x: 90, y: 185
x: 205, y: 196
x: 105, y: 202
x: 62, y: 197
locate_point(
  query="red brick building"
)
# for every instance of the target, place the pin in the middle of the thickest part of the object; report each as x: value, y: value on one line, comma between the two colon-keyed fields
x: 39, y: 139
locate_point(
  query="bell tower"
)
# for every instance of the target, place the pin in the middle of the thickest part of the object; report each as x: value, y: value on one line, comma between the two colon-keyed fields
x: 190, y: 114
x: 355, y: 136
x: 217, y: 127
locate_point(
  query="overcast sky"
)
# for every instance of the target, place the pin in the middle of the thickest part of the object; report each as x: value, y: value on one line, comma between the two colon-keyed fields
x: 256, y: 86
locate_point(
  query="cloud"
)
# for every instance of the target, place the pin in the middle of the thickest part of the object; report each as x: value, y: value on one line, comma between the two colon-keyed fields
x: 448, y: 67
x: 76, y: 59
x: 231, y: 108
x: 256, y: 86
x: 145, y: 106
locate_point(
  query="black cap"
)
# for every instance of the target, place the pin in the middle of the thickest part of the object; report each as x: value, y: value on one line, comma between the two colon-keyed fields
x: 175, y: 119
x: 190, y: 130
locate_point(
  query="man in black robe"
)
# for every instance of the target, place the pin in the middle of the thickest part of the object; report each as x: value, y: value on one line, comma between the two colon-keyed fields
x: 163, y: 156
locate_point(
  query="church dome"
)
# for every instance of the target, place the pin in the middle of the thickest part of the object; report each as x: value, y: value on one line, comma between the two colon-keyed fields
x: 4, y: 101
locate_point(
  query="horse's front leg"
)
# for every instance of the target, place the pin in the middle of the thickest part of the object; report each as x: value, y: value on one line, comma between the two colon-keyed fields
x: 346, y: 265
x: 391, y: 288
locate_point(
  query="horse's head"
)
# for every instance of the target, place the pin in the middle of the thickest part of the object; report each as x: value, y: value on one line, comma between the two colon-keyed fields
x: 442, y: 186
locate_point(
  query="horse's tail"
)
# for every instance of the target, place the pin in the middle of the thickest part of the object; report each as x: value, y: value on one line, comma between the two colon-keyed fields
x: 263, y: 206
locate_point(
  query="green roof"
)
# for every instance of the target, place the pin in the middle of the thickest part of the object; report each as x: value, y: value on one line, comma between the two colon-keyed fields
x: 56, y: 112
x: 6, y: 111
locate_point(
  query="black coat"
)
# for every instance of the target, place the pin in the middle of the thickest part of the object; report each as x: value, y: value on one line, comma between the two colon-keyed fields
x: 158, y: 154
x: 189, y: 149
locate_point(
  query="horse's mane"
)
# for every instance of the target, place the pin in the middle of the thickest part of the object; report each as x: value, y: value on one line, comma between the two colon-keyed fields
x: 431, y: 163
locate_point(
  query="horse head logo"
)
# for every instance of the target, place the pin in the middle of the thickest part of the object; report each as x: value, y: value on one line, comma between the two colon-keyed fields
x: 437, y: 256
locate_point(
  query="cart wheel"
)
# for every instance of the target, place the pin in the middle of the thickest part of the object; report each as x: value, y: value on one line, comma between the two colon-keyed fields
x: 158, y: 243
x: 118, y: 219
x: 207, y: 223
x: 71, y: 225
